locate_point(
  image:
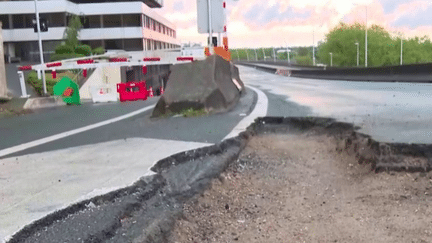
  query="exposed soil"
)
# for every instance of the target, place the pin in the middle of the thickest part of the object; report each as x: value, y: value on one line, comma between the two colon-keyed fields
x: 302, y: 188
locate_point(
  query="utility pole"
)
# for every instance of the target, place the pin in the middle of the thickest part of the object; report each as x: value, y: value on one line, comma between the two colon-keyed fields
x: 238, y: 56
x: 274, y: 55
x: 366, y: 42
x: 247, y: 54
x: 40, y: 47
x: 357, y: 44
x: 256, y: 56
x: 401, y: 59
x: 287, y: 51
x: 331, y: 59
x: 313, y: 46
x: 263, y: 54
x: 3, y: 84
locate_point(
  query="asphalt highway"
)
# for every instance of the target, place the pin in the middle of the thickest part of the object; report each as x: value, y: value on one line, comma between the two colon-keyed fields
x: 389, y: 112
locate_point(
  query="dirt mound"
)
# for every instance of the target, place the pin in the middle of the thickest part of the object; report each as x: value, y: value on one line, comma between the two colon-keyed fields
x: 207, y: 84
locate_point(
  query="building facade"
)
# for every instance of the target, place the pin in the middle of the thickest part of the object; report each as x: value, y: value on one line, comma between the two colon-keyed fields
x: 121, y: 24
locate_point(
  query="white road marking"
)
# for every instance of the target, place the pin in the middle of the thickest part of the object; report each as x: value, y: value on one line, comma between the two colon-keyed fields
x: 38, y: 142
x: 260, y: 110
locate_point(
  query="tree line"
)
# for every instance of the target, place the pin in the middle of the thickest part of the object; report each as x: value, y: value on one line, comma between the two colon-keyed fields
x: 384, y: 48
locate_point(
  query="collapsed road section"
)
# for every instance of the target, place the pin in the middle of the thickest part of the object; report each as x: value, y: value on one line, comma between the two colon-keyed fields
x: 148, y: 210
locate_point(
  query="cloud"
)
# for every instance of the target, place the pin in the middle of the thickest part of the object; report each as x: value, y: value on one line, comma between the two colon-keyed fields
x: 274, y: 22
x: 415, y: 17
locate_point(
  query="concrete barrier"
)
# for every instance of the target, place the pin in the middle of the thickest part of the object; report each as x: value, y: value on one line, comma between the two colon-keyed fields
x: 207, y: 84
x: 104, y: 93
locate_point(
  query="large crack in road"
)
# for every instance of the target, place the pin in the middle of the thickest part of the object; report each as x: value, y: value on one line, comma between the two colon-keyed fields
x: 313, y: 161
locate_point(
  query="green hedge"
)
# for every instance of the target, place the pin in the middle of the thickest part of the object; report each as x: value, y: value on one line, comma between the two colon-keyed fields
x: 64, y: 49
x: 38, y: 84
x: 84, y: 50
x: 99, y: 50
x: 56, y: 57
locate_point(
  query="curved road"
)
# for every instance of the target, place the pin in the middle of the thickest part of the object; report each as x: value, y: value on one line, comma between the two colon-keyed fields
x: 389, y: 112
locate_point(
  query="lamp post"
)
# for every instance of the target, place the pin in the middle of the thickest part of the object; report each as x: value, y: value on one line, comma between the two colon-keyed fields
x: 287, y: 51
x: 256, y: 56
x: 366, y: 42
x: 247, y: 54
x: 331, y: 59
x: 263, y: 54
x: 274, y: 55
x: 313, y: 46
x: 401, y: 58
x: 358, y: 48
x: 40, y: 47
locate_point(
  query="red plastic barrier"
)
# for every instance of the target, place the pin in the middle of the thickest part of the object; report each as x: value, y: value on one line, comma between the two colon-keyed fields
x: 54, y: 64
x: 132, y: 91
x: 87, y: 61
x: 151, y: 59
x: 185, y: 59
x: 23, y: 68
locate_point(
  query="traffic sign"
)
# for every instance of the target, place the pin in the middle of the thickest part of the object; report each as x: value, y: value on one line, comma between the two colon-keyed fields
x: 217, y: 16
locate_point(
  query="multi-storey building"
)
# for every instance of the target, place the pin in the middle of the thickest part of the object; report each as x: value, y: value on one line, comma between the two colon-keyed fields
x: 113, y: 24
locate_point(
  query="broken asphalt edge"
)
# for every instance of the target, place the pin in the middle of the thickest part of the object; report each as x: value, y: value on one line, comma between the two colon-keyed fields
x: 198, y: 167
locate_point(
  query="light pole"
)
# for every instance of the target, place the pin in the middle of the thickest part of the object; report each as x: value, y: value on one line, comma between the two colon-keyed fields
x: 238, y: 56
x: 331, y: 59
x: 263, y: 54
x: 366, y: 42
x: 401, y: 58
x: 40, y: 47
x: 313, y: 46
x: 256, y: 56
x: 274, y: 55
x: 287, y: 51
x: 247, y: 54
x: 358, y: 48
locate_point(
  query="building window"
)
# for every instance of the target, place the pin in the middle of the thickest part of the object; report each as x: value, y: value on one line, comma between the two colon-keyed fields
x: 149, y: 45
x: 21, y: 21
x: 110, y: 21
x: 131, y: 20
x: 147, y: 22
x: 133, y: 44
x: 55, y: 19
x: 5, y: 20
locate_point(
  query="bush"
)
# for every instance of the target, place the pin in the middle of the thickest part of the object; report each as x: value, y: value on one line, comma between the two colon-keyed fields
x: 38, y: 84
x: 304, y: 60
x: 99, y: 50
x: 84, y: 50
x: 56, y: 57
x: 64, y: 49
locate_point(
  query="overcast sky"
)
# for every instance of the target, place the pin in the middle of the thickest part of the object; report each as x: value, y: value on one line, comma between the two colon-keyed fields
x: 266, y: 23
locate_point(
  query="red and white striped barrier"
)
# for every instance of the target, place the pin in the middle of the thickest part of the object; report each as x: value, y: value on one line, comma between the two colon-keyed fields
x: 283, y: 72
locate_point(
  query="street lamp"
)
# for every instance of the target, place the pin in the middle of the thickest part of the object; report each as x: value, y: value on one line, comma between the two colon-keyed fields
x: 256, y: 56
x: 247, y: 54
x: 274, y: 55
x: 287, y: 51
x: 366, y: 42
x: 263, y: 54
x: 331, y: 59
x: 358, y: 47
x: 313, y: 46
x: 401, y: 58
x: 40, y: 47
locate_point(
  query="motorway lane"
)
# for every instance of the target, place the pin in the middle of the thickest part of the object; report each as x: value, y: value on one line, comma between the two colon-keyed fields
x: 206, y: 129
x: 48, y: 177
x: 389, y: 112
x: 50, y: 121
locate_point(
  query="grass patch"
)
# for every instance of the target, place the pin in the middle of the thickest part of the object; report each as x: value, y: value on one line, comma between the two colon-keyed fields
x: 191, y: 112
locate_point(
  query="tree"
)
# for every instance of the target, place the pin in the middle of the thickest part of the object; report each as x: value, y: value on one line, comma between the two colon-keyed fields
x: 71, y: 34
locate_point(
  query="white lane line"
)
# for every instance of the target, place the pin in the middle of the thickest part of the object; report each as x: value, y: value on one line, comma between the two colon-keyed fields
x: 35, y: 143
x: 260, y: 110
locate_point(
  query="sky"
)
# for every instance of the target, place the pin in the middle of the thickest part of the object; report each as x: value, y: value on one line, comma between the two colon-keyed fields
x: 274, y: 23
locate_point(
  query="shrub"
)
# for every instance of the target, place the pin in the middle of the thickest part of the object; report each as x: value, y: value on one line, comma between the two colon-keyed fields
x: 64, y: 49
x: 304, y: 60
x: 99, y: 50
x: 38, y: 84
x: 56, y: 57
x: 84, y: 50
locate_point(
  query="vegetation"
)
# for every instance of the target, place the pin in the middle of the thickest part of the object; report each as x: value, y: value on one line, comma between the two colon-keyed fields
x: 72, y: 47
x: 383, y: 49
x: 193, y: 112
x: 37, y: 84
